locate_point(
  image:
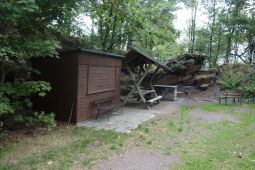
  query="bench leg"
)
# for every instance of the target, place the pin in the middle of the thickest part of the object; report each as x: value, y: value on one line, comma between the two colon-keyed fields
x: 121, y: 109
x: 226, y: 101
x: 97, y: 114
x: 148, y: 106
x: 110, y: 112
x: 219, y: 100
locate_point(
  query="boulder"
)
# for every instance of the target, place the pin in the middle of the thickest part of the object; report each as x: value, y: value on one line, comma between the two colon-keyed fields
x: 186, y: 71
x: 186, y: 64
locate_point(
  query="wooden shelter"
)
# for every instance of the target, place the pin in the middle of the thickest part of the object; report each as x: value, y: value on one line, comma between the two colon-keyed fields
x: 138, y: 65
x: 78, y: 78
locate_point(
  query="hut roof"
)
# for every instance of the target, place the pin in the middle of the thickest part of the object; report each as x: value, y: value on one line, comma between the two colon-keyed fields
x: 136, y: 57
x: 95, y: 52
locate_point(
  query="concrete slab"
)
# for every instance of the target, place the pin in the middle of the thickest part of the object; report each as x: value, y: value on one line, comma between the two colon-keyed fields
x: 130, y: 119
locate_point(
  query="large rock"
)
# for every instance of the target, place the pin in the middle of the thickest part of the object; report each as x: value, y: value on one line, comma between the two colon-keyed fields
x: 186, y: 70
x: 186, y: 64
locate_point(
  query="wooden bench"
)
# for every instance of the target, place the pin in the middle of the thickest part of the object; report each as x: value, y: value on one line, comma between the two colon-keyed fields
x: 154, y: 99
x: 231, y: 95
x: 102, y: 107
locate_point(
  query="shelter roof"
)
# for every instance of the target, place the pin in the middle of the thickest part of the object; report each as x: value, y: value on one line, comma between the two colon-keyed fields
x: 95, y: 52
x: 136, y: 57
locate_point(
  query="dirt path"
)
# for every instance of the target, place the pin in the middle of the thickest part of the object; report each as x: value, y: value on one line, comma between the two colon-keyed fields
x: 139, y: 159
x: 212, y: 116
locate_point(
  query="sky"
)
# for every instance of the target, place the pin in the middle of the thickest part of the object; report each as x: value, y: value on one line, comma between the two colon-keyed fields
x: 183, y: 15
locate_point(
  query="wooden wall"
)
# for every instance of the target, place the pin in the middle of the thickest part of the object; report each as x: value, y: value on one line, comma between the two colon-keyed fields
x: 96, y: 70
x: 63, y: 75
x: 77, y: 79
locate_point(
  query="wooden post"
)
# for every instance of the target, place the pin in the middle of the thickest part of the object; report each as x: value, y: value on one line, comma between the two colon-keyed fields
x: 151, y: 79
x: 137, y: 84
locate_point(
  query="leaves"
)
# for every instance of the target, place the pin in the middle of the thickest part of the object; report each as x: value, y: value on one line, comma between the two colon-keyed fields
x: 28, y: 29
x: 227, y: 37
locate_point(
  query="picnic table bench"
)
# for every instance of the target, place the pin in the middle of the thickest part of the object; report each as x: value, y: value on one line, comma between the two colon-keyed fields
x: 103, y: 107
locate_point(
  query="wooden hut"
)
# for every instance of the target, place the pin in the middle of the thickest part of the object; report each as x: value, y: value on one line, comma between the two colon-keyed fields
x: 78, y: 78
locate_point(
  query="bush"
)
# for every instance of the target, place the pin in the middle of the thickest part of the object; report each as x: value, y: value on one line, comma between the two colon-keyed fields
x: 229, y: 79
x: 39, y: 119
x: 16, y: 105
x: 238, y: 77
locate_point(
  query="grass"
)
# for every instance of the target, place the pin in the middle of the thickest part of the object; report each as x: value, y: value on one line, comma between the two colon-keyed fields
x: 202, y: 145
x: 66, y: 149
x: 198, y: 144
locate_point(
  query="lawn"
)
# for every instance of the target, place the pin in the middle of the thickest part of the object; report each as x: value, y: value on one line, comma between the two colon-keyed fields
x: 199, y: 144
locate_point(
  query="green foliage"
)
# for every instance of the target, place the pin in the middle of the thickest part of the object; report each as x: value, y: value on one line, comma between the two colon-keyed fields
x: 166, y: 51
x: 228, y: 36
x: 40, y: 119
x: 28, y: 29
x: 228, y: 80
x: 114, y: 21
x: 120, y: 24
x: 249, y: 86
x: 16, y: 104
x: 238, y: 77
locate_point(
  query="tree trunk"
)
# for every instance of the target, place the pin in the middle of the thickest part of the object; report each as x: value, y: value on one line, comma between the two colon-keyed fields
x: 193, y: 26
x: 211, y: 34
x: 218, y: 45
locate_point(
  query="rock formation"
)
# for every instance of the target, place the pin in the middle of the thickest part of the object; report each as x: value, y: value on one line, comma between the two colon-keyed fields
x: 187, y: 71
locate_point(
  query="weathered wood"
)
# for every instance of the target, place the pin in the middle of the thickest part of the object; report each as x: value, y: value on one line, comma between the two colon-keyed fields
x: 69, y: 76
x: 151, y: 79
x: 232, y: 95
x: 137, y: 59
x: 109, y: 108
x: 154, y: 99
x: 104, y: 100
x: 137, y: 84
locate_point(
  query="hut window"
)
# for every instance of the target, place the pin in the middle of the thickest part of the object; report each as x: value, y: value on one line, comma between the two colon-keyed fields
x: 101, y: 79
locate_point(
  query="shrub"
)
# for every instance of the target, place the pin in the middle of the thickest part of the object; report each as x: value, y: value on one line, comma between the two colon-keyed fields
x: 16, y: 105
x: 39, y: 119
x: 228, y: 80
x: 238, y: 77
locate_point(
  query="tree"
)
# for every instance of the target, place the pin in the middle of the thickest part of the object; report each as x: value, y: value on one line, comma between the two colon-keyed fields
x: 113, y: 21
x: 229, y: 32
x: 118, y: 25
x: 27, y: 31
x: 156, y: 20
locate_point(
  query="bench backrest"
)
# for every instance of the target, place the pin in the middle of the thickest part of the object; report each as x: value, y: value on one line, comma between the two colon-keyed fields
x: 233, y: 93
x: 104, y: 100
